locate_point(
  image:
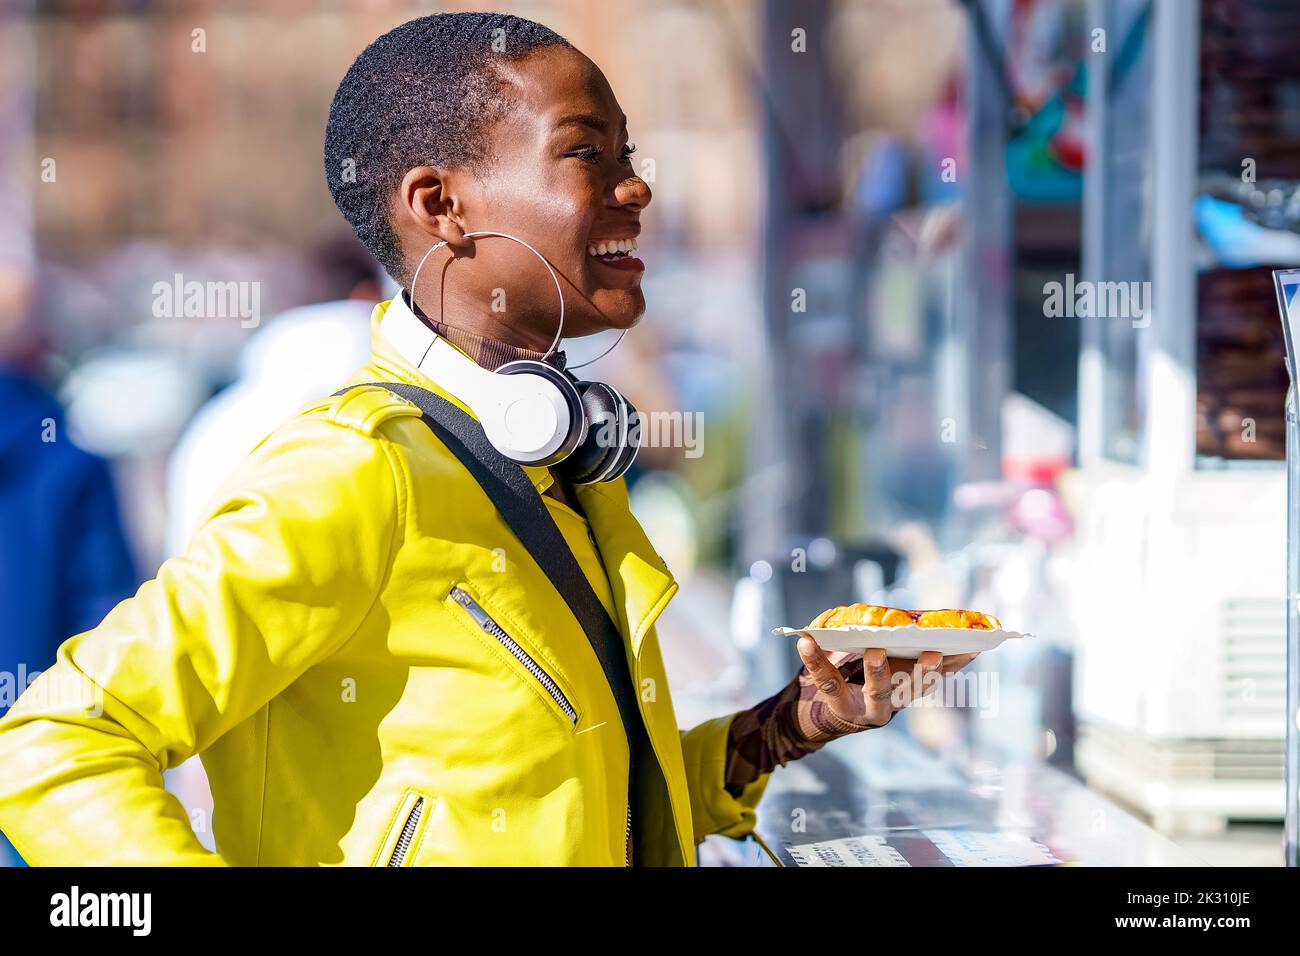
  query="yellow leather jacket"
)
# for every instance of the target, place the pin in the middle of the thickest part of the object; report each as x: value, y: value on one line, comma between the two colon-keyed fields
x: 323, y: 644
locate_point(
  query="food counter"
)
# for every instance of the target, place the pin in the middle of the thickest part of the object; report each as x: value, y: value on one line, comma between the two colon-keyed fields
x: 880, y: 799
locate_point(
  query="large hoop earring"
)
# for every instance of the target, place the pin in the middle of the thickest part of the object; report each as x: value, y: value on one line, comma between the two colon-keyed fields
x: 559, y: 332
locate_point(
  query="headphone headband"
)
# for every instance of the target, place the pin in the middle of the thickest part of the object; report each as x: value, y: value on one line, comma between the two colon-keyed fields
x: 532, y: 412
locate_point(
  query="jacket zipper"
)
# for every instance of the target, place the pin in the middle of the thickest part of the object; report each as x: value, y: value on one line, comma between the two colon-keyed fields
x: 627, y: 835
x: 484, y: 621
x: 408, y: 833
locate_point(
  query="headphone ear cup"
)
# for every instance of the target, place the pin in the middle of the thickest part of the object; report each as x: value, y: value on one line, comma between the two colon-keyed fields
x: 613, y: 436
x: 627, y: 454
x: 606, y: 422
x: 572, y: 423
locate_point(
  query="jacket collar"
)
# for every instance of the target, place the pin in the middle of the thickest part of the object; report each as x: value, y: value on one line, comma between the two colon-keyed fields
x: 641, y: 582
x: 397, y: 354
x: 638, y: 576
x: 488, y: 353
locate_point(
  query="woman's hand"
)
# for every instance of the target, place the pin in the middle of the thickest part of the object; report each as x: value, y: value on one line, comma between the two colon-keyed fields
x: 887, y: 685
x: 832, y: 695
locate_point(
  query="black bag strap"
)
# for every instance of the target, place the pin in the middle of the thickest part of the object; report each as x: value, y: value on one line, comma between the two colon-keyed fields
x: 517, y: 500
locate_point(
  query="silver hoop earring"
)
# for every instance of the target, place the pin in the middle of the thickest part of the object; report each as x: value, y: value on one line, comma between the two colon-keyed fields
x: 559, y: 332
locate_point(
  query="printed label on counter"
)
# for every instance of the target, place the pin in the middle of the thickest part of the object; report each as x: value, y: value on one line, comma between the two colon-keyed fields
x: 869, y: 850
x: 980, y: 848
x: 927, y: 848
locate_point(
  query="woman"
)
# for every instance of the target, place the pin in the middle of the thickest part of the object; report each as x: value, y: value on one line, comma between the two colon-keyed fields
x: 373, y: 667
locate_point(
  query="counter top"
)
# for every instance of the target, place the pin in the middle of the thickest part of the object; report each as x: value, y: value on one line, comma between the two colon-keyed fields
x: 881, y: 799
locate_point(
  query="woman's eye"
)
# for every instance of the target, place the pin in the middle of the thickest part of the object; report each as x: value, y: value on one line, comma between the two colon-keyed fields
x: 588, y: 154
x: 628, y: 150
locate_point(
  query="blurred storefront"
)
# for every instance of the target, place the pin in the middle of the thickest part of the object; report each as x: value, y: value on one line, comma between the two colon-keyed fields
x: 1052, y: 382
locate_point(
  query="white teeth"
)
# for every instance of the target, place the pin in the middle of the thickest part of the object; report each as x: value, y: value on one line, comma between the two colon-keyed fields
x: 612, y: 247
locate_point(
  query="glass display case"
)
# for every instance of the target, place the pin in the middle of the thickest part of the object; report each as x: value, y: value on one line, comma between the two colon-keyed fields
x: 1181, y: 493
x: 1287, y: 282
x: 1248, y: 211
x: 1246, y: 221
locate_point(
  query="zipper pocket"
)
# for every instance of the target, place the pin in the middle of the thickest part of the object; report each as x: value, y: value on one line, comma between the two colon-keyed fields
x: 497, y: 632
x: 408, y: 833
x: 627, y: 835
x: 405, y: 830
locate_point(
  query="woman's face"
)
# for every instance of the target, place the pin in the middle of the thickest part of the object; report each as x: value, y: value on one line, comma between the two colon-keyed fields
x: 559, y: 176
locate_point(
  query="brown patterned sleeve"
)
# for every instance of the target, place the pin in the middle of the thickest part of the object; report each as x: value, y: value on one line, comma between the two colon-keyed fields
x: 788, y: 725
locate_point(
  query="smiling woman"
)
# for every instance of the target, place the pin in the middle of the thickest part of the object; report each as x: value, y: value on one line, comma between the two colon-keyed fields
x: 561, y: 176
x: 531, y: 142
x: 504, y: 697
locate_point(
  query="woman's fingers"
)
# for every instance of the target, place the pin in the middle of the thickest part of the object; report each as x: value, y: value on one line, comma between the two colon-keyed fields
x: 912, y: 678
x: 927, y: 668
x: 888, y: 685
x: 877, y: 687
x: 955, y: 662
x: 839, y: 658
x: 825, y: 675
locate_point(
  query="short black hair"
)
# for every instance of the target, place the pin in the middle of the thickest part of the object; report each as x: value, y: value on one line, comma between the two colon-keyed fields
x: 422, y: 94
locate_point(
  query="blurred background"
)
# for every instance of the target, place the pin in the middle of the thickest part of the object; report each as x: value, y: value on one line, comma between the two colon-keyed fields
x: 871, y: 222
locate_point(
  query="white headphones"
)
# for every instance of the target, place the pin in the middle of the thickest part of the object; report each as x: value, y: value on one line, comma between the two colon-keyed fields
x: 531, y: 411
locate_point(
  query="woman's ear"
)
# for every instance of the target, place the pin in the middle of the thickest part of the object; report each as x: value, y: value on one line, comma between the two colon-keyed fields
x: 427, y: 203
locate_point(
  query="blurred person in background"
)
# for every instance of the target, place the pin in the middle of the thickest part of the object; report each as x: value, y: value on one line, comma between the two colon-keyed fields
x: 301, y: 354
x: 64, y: 559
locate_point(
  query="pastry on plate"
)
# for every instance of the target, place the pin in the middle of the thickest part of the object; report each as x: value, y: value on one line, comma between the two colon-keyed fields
x: 877, y: 616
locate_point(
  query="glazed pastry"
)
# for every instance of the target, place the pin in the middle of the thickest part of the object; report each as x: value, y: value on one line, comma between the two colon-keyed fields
x: 877, y: 616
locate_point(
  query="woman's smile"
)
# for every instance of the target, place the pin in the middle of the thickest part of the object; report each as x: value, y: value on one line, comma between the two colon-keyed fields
x: 619, y: 254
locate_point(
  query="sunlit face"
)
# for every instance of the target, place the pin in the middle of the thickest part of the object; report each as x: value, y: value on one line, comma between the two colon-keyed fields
x: 559, y: 176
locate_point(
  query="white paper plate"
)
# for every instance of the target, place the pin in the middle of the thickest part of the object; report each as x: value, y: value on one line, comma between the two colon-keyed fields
x: 910, y: 641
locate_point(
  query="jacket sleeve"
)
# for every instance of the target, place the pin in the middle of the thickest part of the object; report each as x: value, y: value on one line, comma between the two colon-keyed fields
x: 279, y: 577
x: 713, y: 808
